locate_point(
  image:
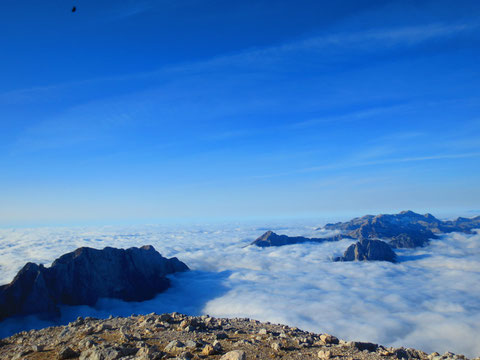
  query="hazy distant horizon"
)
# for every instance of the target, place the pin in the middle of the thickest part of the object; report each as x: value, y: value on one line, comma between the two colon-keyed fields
x: 320, y: 219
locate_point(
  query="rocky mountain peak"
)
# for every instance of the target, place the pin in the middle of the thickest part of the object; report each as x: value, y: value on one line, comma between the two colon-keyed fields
x: 369, y: 250
x: 270, y: 238
x: 83, y: 276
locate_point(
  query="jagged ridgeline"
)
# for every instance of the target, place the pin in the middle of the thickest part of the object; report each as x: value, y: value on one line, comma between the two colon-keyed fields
x: 85, y: 275
x: 181, y: 337
x: 378, y: 234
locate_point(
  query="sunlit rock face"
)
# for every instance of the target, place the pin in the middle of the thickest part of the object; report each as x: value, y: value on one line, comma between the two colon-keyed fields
x: 86, y: 275
x: 404, y: 230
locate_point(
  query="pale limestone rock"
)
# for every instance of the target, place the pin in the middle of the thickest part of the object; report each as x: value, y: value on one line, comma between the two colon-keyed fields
x: 208, y: 350
x: 234, y: 355
x: 324, y: 354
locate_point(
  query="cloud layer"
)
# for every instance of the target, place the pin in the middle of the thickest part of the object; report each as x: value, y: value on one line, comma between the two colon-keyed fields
x: 427, y: 301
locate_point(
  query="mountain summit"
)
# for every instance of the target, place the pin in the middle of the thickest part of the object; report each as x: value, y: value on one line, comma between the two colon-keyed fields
x: 404, y: 230
x: 85, y: 275
x: 272, y: 239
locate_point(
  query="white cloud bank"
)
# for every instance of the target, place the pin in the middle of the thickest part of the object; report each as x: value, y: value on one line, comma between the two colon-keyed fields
x: 428, y: 301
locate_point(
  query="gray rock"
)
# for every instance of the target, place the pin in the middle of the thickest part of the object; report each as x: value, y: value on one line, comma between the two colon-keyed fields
x: 221, y: 336
x: 362, y: 346
x: 148, y: 353
x: 324, y: 354
x: 190, y: 344
x: 67, y: 353
x: 217, y: 346
x: 183, y: 357
x: 38, y: 348
x: 85, y: 275
x: 276, y: 346
x: 166, y: 318
x: 329, y: 339
x: 401, y: 354
x: 103, y: 354
x: 234, y: 355
x: 208, y: 350
x: 174, y: 346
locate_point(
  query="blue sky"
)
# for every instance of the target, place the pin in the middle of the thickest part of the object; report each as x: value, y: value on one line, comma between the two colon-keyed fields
x: 140, y: 111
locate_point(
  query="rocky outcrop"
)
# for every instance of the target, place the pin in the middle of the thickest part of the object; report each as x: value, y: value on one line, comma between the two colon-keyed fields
x: 176, y: 336
x: 404, y: 230
x: 85, y: 275
x: 272, y: 239
x: 369, y: 250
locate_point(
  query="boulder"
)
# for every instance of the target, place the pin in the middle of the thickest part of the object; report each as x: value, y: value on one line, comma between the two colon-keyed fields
x: 174, y: 346
x: 67, y: 353
x: 208, y: 350
x: 84, y: 276
x: 329, y: 339
x: 362, y: 346
x: 234, y: 355
x: 324, y: 354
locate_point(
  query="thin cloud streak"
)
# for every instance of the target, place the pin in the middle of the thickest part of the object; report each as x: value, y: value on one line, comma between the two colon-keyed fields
x: 351, y: 116
x: 395, y: 160
x: 346, y: 165
x: 407, y: 36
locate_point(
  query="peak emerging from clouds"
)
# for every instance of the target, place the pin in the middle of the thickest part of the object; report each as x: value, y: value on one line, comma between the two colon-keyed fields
x: 406, y: 229
x: 85, y: 275
x: 403, y: 230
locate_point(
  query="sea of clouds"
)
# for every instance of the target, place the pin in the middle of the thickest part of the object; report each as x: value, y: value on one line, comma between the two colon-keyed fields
x: 429, y: 300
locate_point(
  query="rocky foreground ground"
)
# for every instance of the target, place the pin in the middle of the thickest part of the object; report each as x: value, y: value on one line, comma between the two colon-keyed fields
x: 177, y: 336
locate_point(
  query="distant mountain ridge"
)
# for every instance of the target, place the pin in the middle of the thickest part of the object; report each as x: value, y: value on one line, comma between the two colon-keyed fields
x: 378, y: 234
x: 272, y: 239
x: 404, y: 230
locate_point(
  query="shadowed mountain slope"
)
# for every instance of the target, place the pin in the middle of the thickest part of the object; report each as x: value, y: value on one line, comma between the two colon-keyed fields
x: 85, y: 275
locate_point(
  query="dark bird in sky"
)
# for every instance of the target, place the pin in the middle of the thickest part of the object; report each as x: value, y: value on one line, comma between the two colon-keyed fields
x: 74, y: 9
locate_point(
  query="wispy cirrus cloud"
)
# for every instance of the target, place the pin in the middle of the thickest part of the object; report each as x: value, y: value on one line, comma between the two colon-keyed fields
x: 371, y: 40
x: 392, y: 161
x: 409, y: 35
x: 348, y: 164
x: 357, y: 115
